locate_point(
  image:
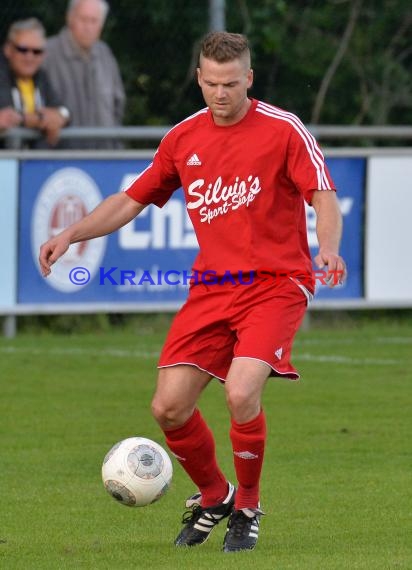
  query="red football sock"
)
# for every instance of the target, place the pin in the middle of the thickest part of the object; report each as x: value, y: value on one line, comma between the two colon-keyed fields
x: 193, y: 446
x: 248, y: 442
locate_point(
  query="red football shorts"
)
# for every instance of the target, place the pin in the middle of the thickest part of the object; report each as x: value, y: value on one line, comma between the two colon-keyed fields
x: 220, y: 322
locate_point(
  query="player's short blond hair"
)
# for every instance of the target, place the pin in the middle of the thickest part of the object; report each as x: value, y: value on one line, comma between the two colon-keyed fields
x: 225, y: 46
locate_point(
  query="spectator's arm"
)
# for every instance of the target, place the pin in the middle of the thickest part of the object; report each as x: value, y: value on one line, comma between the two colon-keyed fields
x: 9, y: 118
x: 51, y: 121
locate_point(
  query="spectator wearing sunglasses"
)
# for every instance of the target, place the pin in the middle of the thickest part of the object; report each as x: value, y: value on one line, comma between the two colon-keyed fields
x: 26, y: 95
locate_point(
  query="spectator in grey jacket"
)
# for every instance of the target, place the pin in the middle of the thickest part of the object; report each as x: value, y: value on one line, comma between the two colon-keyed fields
x: 84, y: 72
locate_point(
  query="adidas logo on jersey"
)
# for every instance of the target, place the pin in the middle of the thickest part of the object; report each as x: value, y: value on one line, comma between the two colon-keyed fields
x: 279, y: 353
x: 194, y: 161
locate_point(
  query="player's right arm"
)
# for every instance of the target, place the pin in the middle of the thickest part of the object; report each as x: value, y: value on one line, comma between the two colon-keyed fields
x: 110, y: 215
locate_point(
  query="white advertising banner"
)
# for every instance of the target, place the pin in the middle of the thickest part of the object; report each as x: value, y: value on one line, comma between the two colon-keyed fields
x: 8, y: 231
x: 388, y: 263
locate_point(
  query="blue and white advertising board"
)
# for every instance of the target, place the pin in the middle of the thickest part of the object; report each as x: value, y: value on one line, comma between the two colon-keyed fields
x: 349, y: 177
x: 149, y: 260
x: 122, y: 267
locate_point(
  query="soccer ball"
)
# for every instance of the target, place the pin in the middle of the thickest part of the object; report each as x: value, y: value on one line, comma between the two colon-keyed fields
x: 137, y: 471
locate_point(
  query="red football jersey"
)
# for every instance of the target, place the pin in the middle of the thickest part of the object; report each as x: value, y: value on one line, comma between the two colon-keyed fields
x: 244, y: 186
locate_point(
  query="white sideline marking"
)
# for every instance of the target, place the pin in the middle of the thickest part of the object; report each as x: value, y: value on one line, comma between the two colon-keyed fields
x: 122, y: 353
x: 116, y: 352
x: 341, y: 341
x: 336, y: 359
x: 395, y: 339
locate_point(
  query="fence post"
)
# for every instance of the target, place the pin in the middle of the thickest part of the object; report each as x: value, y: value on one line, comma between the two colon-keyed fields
x: 10, y: 326
x: 217, y: 20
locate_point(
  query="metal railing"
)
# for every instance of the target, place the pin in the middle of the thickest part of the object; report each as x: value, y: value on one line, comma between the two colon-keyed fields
x: 14, y: 138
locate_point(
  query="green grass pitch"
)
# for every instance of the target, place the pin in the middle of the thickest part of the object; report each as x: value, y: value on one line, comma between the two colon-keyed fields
x: 337, y: 479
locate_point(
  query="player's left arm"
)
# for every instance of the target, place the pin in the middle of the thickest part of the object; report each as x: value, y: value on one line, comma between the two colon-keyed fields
x: 329, y: 233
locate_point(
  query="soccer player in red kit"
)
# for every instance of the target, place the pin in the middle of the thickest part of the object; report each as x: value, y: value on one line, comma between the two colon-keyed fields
x: 246, y: 168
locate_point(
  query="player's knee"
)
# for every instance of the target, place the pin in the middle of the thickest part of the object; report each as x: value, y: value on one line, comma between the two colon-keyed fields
x: 167, y: 414
x: 160, y: 412
x: 242, y: 405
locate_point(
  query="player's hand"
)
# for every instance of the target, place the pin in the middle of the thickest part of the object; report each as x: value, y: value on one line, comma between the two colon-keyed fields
x: 50, y: 252
x: 335, y: 265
